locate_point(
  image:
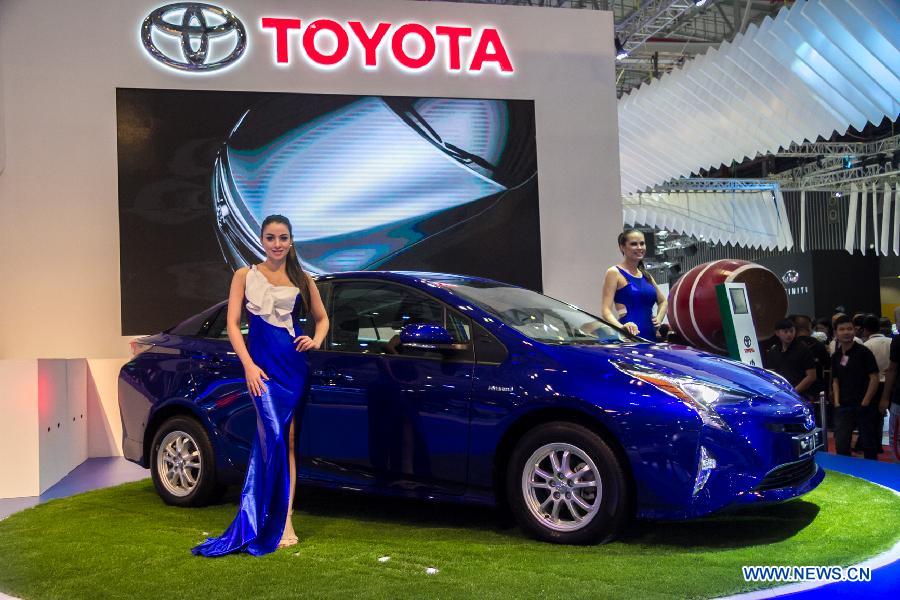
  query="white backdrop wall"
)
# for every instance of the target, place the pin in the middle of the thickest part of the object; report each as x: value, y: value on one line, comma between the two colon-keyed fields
x: 62, y: 61
x: 2, y: 125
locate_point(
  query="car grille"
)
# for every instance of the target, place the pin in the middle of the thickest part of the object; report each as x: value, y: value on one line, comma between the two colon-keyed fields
x: 788, y: 475
x: 798, y: 427
x: 804, y: 427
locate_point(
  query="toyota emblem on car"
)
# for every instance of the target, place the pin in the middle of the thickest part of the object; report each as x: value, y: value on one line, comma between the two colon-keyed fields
x: 194, y: 25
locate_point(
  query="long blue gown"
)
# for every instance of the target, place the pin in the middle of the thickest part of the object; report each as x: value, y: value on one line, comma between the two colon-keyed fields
x: 263, y: 508
x: 638, y: 296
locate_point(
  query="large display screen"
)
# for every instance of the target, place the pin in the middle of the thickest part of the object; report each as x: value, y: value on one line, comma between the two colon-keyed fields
x: 368, y: 182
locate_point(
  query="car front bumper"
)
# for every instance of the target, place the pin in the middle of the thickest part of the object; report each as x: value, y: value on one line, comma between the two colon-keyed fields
x: 733, y: 468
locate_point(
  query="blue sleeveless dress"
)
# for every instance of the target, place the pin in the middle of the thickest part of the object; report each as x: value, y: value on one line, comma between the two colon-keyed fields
x: 263, y: 508
x: 638, y: 296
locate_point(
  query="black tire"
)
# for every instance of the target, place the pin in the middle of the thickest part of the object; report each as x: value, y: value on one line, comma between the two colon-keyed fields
x: 609, y: 502
x: 179, y: 491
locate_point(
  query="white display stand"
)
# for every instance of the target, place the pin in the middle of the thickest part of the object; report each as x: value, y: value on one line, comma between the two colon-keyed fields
x: 737, y: 323
x: 56, y: 414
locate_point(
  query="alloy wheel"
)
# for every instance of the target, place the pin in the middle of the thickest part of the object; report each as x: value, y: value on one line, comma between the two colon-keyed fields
x: 179, y: 463
x: 562, y: 487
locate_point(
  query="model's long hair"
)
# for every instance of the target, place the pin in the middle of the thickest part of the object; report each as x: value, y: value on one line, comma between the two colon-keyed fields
x: 623, y: 237
x: 292, y: 264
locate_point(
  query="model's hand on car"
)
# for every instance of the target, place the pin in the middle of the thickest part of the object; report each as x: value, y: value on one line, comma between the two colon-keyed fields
x: 255, y: 377
x: 631, y: 328
x: 304, y: 343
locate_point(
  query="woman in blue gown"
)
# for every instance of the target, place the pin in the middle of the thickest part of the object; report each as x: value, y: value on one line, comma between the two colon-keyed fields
x: 629, y: 291
x: 278, y: 294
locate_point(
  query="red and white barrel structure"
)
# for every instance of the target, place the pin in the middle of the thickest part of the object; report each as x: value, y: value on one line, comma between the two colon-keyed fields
x: 694, y: 308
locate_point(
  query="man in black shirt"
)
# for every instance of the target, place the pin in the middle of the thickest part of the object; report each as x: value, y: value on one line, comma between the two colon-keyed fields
x: 890, y: 397
x: 821, y: 360
x: 854, y: 374
x: 790, y: 358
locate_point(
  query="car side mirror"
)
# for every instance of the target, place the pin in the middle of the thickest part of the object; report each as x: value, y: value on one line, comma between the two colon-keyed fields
x: 428, y: 337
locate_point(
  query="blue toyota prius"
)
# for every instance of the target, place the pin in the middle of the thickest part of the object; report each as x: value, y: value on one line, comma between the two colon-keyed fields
x: 459, y: 388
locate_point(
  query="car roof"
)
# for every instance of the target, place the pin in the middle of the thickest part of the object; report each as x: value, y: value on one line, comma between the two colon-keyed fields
x: 419, y: 276
x: 412, y: 277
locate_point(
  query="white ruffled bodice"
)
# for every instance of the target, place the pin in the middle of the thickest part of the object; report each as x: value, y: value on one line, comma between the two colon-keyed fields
x: 274, y: 303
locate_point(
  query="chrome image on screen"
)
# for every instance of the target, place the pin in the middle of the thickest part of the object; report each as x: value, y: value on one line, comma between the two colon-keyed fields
x: 368, y: 182
x: 365, y: 181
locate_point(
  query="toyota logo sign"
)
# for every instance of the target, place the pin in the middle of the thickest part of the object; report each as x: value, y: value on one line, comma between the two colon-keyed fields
x: 194, y: 31
x: 197, y: 38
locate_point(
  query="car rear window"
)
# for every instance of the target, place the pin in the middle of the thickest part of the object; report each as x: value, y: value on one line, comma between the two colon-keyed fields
x: 197, y: 324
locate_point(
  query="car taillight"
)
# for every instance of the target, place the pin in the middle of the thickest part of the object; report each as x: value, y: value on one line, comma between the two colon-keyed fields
x: 138, y: 347
x: 229, y: 398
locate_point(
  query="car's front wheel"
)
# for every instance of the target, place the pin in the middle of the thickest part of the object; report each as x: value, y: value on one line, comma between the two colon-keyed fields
x: 565, y: 485
x: 182, y: 463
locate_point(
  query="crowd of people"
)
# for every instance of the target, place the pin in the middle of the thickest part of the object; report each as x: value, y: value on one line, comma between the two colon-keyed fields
x: 852, y: 363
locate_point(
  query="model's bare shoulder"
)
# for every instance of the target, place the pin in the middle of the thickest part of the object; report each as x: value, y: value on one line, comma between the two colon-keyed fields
x: 239, y: 279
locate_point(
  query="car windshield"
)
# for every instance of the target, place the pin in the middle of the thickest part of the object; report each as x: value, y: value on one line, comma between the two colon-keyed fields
x: 537, y: 316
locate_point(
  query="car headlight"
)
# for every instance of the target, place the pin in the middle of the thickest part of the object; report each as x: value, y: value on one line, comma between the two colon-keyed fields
x: 702, y: 396
x: 779, y: 380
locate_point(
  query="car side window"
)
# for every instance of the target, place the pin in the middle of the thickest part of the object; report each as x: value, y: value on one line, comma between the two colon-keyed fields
x: 367, y: 317
x: 459, y: 327
x: 218, y: 329
x: 488, y: 349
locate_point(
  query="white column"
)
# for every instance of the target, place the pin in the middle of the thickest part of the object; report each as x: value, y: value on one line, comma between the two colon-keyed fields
x: 19, y: 467
x: 886, y: 220
x: 850, y: 237
x: 876, y: 237
x: 802, y: 220
x: 43, y: 431
x: 863, y: 218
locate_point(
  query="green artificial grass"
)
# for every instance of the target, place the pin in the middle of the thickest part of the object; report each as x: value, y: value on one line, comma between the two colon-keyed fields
x: 123, y: 542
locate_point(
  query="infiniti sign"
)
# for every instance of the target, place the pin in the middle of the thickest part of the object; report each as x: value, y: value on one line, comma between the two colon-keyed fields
x: 790, y: 276
x: 189, y: 22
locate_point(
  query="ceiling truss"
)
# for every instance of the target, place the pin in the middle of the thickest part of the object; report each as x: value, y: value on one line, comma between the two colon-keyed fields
x: 661, y: 35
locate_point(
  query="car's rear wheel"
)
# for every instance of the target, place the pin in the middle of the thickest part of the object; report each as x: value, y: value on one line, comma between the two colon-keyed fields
x: 182, y: 463
x: 565, y: 485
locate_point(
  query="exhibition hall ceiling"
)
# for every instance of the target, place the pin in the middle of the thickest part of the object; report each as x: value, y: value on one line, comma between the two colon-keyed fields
x: 658, y: 36
x: 817, y: 69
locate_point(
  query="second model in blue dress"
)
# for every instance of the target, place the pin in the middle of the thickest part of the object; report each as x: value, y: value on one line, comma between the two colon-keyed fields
x: 263, y: 510
x: 638, y: 296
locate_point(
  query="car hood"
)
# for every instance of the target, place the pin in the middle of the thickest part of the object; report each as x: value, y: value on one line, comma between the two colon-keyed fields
x: 686, y: 361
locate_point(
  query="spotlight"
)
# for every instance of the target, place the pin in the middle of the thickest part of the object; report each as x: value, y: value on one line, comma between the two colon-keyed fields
x: 838, y: 195
x: 621, y: 54
x: 699, y: 3
x: 848, y: 162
